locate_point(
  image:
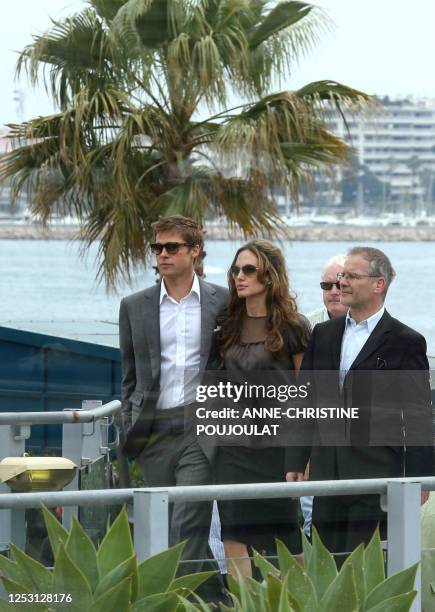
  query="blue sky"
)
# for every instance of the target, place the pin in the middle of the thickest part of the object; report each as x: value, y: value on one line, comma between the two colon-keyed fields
x: 380, y: 46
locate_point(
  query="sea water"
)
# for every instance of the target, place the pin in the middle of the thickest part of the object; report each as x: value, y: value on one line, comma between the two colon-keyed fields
x: 48, y: 280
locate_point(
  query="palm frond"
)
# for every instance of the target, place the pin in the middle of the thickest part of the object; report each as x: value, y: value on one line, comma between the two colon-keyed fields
x: 107, y: 9
x: 284, y: 35
x: 282, y: 16
x: 123, y: 231
x: 148, y: 23
x: 190, y: 197
x: 74, y: 54
x: 247, y: 204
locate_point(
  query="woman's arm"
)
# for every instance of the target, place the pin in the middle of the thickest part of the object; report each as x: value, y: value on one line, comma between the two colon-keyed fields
x: 297, y: 361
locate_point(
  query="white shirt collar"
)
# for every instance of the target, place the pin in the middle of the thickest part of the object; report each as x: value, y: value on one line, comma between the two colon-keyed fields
x: 195, y: 289
x: 369, y: 323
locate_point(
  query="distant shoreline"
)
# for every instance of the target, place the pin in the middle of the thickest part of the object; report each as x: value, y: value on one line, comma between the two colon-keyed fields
x: 336, y: 233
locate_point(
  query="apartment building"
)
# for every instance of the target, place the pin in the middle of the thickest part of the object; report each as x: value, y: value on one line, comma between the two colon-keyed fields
x: 397, y: 145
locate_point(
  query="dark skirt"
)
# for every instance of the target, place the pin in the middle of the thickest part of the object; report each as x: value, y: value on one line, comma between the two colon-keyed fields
x: 257, y: 523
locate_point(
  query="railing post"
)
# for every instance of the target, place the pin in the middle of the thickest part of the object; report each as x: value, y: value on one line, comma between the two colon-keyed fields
x: 150, y: 516
x: 12, y: 522
x: 404, y: 530
x: 72, y: 438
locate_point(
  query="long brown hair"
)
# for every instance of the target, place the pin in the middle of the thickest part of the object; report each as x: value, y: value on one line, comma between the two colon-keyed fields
x: 281, y: 305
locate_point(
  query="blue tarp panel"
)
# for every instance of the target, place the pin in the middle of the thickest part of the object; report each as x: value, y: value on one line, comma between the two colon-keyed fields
x: 41, y: 372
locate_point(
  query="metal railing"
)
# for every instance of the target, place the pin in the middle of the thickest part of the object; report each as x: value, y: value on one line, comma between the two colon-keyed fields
x: 82, y: 442
x: 68, y: 415
x: 400, y: 498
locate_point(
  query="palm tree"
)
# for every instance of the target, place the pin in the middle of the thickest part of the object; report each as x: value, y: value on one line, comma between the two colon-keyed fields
x: 145, y: 126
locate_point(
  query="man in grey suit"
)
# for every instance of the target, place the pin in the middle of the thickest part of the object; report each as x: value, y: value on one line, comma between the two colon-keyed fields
x: 165, y: 339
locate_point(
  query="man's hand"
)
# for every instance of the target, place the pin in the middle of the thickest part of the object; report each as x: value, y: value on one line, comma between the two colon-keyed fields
x: 295, y: 477
x: 424, y: 497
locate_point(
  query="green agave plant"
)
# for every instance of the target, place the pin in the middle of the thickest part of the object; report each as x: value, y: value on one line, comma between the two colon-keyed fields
x: 110, y: 578
x: 103, y: 580
x: 428, y: 580
x: 318, y: 586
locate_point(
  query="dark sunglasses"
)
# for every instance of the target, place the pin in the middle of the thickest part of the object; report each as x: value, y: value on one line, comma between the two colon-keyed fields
x: 248, y: 270
x: 171, y: 247
x: 327, y: 286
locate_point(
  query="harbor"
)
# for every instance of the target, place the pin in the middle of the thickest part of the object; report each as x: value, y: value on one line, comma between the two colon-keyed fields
x: 305, y: 231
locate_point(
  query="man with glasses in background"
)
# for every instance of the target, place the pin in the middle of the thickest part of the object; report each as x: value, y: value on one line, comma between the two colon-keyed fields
x: 332, y: 308
x: 371, y: 361
x: 165, y: 339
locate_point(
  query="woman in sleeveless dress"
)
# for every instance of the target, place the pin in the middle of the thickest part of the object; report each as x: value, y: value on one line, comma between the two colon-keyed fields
x: 263, y: 333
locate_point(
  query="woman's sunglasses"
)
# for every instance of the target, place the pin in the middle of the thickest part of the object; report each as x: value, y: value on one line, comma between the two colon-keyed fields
x: 327, y: 286
x: 171, y: 247
x: 248, y: 270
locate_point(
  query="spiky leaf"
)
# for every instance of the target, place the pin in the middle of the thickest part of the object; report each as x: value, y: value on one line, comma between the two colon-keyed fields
x: 190, y: 581
x: 117, y: 545
x: 306, y: 547
x: 56, y: 531
x: 356, y: 561
x: 427, y: 579
x: 9, y: 569
x: 156, y: 574
x: 69, y: 578
x: 159, y: 602
x: 285, y: 604
x: 274, y: 589
x: 116, y: 598
x: 342, y: 593
x: 127, y: 569
x: 33, y: 574
x: 299, y: 583
x: 264, y: 566
x: 82, y: 551
x: 400, y: 603
x: 12, y: 586
x: 397, y: 584
x: 321, y: 566
x: 374, y: 564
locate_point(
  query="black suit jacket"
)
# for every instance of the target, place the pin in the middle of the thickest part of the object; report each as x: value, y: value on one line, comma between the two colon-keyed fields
x: 389, y: 383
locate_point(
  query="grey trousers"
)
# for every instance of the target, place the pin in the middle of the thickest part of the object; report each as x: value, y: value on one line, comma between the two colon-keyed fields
x: 174, y: 459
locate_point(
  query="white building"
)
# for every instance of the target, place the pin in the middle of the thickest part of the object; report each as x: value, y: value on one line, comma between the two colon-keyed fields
x: 397, y: 144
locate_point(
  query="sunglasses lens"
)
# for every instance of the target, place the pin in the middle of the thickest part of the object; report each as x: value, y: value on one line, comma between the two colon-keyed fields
x: 327, y: 286
x: 247, y: 270
x: 172, y: 247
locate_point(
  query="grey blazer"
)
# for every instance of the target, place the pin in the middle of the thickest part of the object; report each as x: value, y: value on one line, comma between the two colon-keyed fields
x: 139, y: 338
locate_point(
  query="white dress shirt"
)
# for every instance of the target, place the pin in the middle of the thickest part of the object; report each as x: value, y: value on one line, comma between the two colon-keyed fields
x: 320, y: 315
x: 354, y: 337
x: 180, y: 346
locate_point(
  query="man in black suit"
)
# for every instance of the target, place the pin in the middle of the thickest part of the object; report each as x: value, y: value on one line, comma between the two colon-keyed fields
x: 166, y: 336
x: 369, y: 360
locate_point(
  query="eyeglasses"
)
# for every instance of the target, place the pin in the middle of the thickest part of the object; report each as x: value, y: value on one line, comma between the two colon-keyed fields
x: 350, y: 276
x: 247, y: 269
x: 327, y: 285
x: 171, y: 247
